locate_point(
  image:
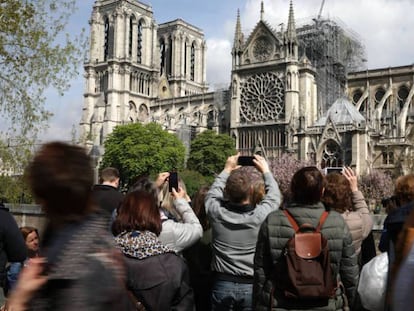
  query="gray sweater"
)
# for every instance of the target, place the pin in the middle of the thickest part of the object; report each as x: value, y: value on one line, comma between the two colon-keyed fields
x: 235, y: 232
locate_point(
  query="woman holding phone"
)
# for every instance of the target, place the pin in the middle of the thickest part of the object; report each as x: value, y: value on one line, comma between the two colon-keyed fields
x: 180, y: 226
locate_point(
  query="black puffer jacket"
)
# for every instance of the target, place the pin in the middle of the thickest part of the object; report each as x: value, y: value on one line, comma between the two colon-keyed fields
x: 273, y: 236
x: 12, y: 245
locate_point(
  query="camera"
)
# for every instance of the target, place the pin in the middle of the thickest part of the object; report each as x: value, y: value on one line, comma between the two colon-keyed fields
x: 173, y: 181
x: 245, y: 161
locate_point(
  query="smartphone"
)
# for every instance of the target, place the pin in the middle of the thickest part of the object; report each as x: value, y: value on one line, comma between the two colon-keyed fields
x: 330, y: 170
x: 245, y: 161
x: 173, y: 181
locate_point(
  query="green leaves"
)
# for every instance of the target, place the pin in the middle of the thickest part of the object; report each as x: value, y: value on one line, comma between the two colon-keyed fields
x: 35, y: 54
x: 209, y: 152
x: 137, y: 149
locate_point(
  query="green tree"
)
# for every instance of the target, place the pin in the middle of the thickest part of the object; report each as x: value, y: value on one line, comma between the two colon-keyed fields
x: 136, y: 149
x: 13, y: 189
x: 209, y: 151
x: 193, y: 181
x: 35, y: 53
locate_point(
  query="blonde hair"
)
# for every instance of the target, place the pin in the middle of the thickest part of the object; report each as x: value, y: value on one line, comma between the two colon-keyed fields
x: 166, y: 200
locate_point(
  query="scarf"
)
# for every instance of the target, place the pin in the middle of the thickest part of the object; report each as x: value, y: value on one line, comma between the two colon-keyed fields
x: 141, y: 244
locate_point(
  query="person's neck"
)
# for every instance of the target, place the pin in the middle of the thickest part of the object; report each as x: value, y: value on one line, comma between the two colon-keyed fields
x: 108, y: 183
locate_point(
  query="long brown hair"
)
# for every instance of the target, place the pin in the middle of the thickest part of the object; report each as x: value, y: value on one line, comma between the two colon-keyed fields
x: 139, y: 211
x: 198, y: 206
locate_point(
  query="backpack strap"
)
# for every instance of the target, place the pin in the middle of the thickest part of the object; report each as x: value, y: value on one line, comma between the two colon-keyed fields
x: 322, y: 221
x: 295, y: 224
x: 291, y: 220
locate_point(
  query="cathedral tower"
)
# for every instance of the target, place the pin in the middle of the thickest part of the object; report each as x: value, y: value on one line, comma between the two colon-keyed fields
x: 133, y: 63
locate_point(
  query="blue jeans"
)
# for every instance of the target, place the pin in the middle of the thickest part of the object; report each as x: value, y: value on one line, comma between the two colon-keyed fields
x: 230, y: 296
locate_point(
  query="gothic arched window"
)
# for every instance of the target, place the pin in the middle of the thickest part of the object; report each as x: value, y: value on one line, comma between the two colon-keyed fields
x: 402, y: 96
x: 379, y: 94
x: 170, y: 56
x: 133, y: 114
x: 143, y: 113
x: 162, y: 54
x: 192, y: 64
x: 185, y: 58
x: 356, y: 96
x: 139, y: 46
x: 131, y: 31
x: 106, y: 38
x: 332, y: 155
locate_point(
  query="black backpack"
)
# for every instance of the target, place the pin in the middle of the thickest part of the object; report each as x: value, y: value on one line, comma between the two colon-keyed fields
x: 303, y: 272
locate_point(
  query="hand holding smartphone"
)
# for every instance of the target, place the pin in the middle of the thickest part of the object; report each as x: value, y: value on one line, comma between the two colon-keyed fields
x: 245, y: 161
x: 173, y: 181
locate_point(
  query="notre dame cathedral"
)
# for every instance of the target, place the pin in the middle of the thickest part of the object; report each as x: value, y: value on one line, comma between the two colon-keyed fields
x: 295, y: 89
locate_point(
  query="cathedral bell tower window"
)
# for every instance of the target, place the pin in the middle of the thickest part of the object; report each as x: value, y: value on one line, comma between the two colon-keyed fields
x: 106, y: 39
x: 162, y: 54
x: 139, y: 45
x: 192, y: 64
x: 131, y: 28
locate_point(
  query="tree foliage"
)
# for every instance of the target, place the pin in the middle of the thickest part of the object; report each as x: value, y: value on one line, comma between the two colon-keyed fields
x: 193, y: 181
x: 35, y: 54
x: 283, y: 169
x: 376, y: 185
x: 136, y: 149
x: 209, y: 152
x: 13, y: 189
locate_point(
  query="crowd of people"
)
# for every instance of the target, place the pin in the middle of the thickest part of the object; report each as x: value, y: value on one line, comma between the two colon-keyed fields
x: 232, y: 246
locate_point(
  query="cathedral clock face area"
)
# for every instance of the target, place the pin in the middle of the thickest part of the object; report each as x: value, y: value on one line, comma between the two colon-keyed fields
x: 262, y: 98
x: 262, y: 48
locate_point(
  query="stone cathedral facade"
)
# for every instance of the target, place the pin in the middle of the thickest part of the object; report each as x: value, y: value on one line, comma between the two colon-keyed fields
x: 279, y: 99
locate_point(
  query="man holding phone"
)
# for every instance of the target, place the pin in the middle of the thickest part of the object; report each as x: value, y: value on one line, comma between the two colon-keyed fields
x: 236, y: 222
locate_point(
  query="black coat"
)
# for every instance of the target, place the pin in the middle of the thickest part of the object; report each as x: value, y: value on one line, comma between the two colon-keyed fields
x: 160, y: 282
x: 12, y: 245
x: 107, y: 197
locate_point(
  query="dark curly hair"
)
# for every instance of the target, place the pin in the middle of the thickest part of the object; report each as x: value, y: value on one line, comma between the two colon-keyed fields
x: 338, y: 194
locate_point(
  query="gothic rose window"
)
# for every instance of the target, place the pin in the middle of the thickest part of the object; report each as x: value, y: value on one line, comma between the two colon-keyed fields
x: 262, y: 98
x: 262, y: 48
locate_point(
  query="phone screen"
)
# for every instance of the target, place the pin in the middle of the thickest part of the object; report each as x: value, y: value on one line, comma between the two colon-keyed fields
x: 245, y: 160
x: 173, y: 181
x: 330, y: 170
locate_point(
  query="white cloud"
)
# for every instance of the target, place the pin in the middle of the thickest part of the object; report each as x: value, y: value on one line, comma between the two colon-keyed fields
x: 218, y: 62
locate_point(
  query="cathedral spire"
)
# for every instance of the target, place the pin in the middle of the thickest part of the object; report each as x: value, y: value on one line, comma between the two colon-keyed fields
x: 291, y: 27
x: 261, y: 11
x: 238, y: 35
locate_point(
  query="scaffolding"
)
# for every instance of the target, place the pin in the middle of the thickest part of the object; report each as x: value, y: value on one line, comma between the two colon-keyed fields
x: 334, y: 51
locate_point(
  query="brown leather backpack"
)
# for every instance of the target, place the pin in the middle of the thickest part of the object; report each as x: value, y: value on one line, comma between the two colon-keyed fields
x: 303, y: 272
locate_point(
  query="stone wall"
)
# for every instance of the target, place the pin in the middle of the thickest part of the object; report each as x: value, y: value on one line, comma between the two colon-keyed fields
x: 32, y: 215
x: 28, y: 215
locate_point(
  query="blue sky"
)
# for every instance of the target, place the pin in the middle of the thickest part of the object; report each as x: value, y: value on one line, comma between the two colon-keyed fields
x: 384, y: 26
